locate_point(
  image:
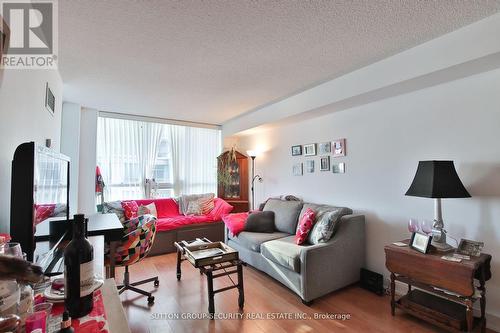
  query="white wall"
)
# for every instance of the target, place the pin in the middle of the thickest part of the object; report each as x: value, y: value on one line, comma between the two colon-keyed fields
x: 24, y: 118
x: 70, y: 146
x: 459, y: 120
x: 87, y: 162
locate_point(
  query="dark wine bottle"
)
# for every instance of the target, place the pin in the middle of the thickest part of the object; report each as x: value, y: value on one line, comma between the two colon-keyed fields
x: 78, y: 270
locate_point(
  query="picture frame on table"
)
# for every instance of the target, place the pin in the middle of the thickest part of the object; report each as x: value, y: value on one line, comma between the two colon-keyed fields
x: 324, y: 148
x: 420, y: 242
x: 324, y: 163
x: 470, y: 248
x: 296, y: 150
x: 339, y: 148
x: 310, y: 149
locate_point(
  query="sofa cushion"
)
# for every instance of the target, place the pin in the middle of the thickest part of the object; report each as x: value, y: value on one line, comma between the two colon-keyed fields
x: 166, y: 207
x: 260, y: 222
x: 114, y: 207
x: 306, y: 224
x: 147, y: 209
x: 283, y: 252
x: 221, y: 208
x: 185, y: 200
x: 286, y: 214
x: 253, y: 240
x: 327, y: 221
x: 130, y: 208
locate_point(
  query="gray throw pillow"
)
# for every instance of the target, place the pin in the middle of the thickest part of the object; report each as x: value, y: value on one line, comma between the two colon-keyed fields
x: 327, y: 221
x: 114, y: 207
x: 260, y: 222
x: 184, y: 201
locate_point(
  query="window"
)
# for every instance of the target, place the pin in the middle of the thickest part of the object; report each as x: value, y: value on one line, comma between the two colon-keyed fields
x: 180, y: 159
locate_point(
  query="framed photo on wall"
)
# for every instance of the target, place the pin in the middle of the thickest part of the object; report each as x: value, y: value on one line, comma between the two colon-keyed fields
x: 309, y: 166
x: 338, y: 147
x: 324, y: 148
x: 4, y: 37
x: 297, y: 169
x: 296, y: 150
x: 338, y: 167
x: 324, y: 163
x: 310, y: 149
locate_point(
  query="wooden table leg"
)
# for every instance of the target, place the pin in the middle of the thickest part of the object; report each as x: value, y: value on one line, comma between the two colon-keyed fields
x: 179, y: 260
x: 112, y: 254
x: 469, y: 315
x: 482, y: 302
x: 210, y: 285
x: 241, y: 291
x: 393, y: 294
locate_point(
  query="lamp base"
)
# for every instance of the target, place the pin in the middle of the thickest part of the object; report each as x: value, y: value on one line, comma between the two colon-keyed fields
x: 442, y: 247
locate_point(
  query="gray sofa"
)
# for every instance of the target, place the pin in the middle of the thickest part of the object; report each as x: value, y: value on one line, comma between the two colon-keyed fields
x: 310, y: 271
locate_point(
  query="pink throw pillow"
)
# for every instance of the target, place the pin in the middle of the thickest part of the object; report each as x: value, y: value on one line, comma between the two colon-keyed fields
x: 235, y: 223
x: 221, y: 208
x: 130, y: 208
x: 305, y: 225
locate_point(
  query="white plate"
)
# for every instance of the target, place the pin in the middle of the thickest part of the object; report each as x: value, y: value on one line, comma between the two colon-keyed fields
x: 54, y: 297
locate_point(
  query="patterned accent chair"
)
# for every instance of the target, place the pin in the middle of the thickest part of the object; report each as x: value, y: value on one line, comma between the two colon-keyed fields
x: 138, y: 237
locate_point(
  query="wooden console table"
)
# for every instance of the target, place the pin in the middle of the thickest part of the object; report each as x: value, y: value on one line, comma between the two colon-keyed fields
x: 446, y: 290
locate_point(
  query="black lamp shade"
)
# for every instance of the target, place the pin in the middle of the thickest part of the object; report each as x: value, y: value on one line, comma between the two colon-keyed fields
x: 437, y: 179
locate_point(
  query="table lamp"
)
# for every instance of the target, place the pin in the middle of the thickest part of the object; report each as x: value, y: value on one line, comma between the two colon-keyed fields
x: 437, y: 180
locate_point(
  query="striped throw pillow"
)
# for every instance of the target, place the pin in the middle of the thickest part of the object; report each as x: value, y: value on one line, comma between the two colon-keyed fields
x: 206, y: 205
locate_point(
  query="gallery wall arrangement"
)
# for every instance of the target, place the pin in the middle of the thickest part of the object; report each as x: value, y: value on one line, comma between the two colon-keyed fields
x: 326, y: 151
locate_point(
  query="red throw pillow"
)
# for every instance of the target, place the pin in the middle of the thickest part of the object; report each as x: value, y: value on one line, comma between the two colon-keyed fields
x: 130, y: 209
x: 235, y: 223
x: 221, y: 208
x: 305, y: 225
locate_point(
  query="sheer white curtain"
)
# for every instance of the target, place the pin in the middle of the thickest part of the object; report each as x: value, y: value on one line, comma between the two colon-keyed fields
x: 126, y: 155
x: 194, y: 159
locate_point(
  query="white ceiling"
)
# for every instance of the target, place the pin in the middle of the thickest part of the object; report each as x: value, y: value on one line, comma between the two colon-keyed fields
x: 209, y: 61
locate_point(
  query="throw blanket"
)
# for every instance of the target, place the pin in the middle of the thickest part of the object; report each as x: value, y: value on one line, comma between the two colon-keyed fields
x: 235, y: 223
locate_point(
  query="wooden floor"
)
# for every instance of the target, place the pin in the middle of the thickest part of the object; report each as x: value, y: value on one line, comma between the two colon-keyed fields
x: 263, y: 295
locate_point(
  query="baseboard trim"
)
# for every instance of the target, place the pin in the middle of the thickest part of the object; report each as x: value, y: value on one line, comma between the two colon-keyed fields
x: 492, y: 320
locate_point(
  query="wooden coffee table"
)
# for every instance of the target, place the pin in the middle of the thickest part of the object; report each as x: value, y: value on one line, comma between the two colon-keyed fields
x: 215, y: 266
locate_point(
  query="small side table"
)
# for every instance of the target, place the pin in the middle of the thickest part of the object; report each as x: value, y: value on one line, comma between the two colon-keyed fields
x: 446, y: 290
x: 220, y: 268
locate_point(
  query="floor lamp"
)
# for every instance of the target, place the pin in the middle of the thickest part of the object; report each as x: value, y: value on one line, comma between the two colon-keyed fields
x: 253, y: 155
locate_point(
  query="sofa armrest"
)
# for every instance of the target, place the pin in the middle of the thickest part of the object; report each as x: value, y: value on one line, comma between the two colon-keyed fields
x: 332, y: 265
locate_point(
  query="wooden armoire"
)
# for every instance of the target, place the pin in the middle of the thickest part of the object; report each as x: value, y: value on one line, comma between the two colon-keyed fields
x: 232, y: 179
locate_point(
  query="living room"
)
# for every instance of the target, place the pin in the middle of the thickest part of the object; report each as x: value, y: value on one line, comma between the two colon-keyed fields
x: 344, y: 113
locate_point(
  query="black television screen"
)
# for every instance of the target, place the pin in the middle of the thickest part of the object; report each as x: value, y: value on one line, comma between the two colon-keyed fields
x: 39, y: 192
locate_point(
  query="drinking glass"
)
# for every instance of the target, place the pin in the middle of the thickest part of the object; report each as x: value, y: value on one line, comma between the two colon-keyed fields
x: 45, y: 308
x: 11, y: 249
x: 413, y: 225
x: 427, y: 226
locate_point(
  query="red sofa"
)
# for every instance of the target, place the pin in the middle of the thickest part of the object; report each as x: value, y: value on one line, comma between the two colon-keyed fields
x: 171, y: 226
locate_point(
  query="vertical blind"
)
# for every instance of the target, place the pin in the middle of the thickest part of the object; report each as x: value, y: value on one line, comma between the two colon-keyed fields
x: 181, y: 159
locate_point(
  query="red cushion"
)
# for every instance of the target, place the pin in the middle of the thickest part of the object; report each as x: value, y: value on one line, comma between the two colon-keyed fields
x: 171, y: 223
x: 130, y: 209
x: 305, y: 225
x: 235, y: 223
x: 221, y: 208
x: 164, y: 207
